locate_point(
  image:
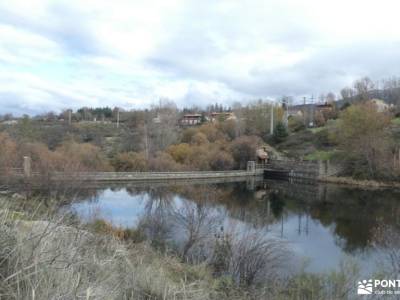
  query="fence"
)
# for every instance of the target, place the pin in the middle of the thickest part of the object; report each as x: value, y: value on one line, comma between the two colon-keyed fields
x: 132, y: 176
x: 301, y: 168
x: 145, y: 176
x: 286, y: 168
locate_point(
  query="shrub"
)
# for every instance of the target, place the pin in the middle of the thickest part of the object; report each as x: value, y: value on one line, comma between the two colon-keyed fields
x: 221, y: 160
x: 8, y: 153
x: 162, y: 161
x: 243, y: 149
x: 296, y: 124
x: 199, y: 139
x: 130, y: 161
x: 363, y: 135
x: 83, y: 157
x: 180, y: 153
x: 211, y: 132
x: 188, y: 134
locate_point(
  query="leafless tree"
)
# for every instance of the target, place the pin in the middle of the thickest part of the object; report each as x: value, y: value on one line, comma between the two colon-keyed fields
x: 197, y: 224
x: 256, y: 258
x: 386, y: 240
x: 347, y: 93
x: 364, y: 86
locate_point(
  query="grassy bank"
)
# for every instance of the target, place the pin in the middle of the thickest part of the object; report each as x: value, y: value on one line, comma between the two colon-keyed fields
x: 58, y: 260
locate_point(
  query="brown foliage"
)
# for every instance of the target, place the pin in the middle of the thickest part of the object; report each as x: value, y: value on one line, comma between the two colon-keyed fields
x: 70, y: 157
x: 83, y: 157
x: 243, y: 149
x: 8, y: 153
x: 130, y: 161
x: 180, y: 153
x: 221, y: 160
x: 319, y: 119
x: 188, y: 134
x: 211, y: 132
x: 199, y: 139
x: 163, y: 161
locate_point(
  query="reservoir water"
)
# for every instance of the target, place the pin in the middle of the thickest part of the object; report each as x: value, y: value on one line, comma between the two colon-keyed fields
x: 322, y: 225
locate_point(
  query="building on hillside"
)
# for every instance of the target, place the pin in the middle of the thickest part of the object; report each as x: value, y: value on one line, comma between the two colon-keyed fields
x: 10, y: 122
x: 191, y: 119
x: 262, y: 155
x: 218, y: 116
x: 157, y: 120
x: 325, y: 107
x: 381, y: 106
x: 295, y: 113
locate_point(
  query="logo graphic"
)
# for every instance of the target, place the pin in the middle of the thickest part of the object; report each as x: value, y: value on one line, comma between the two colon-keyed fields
x: 364, y: 287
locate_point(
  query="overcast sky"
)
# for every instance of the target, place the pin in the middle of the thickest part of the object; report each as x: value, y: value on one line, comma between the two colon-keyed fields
x: 60, y: 54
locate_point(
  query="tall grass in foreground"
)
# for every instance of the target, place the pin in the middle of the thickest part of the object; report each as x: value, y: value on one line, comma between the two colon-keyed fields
x: 49, y: 260
x: 48, y: 256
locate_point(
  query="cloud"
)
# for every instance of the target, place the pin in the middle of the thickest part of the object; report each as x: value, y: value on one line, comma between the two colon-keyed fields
x: 55, y: 55
x: 58, y: 22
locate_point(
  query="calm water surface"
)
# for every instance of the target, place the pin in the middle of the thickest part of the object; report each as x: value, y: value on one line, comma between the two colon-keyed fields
x: 322, y: 224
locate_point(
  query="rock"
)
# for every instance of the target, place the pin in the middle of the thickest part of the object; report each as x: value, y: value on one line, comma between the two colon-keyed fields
x: 17, y: 196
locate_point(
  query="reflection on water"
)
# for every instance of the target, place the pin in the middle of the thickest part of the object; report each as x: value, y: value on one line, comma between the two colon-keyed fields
x: 324, y: 223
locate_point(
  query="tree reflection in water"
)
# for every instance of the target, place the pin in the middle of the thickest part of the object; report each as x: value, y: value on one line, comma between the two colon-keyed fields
x: 313, y: 214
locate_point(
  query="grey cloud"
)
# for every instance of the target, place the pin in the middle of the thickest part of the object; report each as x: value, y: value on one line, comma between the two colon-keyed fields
x: 62, y: 24
x: 328, y: 69
x: 208, y: 34
x: 15, y: 104
x: 195, y: 48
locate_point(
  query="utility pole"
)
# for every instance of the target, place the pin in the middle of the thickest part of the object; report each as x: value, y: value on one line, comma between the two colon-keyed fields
x: 271, y: 130
x: 311, y: 110
x: 117, y: 117
x: 287, y: 112
x: 69, y: 116
x: 285, y: 105
x: 146, y: 141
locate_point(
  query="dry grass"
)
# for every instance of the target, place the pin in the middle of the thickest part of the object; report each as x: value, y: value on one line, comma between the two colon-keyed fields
x: 49, y: 260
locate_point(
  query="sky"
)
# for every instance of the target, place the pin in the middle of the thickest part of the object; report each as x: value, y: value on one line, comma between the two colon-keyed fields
x: 68, y: 54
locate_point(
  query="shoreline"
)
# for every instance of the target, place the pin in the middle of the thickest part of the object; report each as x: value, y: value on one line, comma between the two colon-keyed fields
x: 360, y: 183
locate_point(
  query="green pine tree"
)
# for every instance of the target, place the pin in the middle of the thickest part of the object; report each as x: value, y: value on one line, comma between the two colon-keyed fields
x: 280, y: 133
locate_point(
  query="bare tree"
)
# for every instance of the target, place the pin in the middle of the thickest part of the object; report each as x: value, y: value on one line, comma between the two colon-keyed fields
x: 386, y: 239
x: 364, y: 86
x: 197, y: 224
x: 256, y: 258
x: 347, y: 93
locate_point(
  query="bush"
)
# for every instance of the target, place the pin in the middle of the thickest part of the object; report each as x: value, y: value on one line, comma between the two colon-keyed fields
x: 199, y: 139
x: 180, y: 153
x: 221, y: 160
x: 296, y: 124
x: 130, y: 161
x: 363, y: 136
x: 164, y: 162
x: 8, y: 153
x: 188, y: 134
x: 244, y: 149
x: 83, y: 157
